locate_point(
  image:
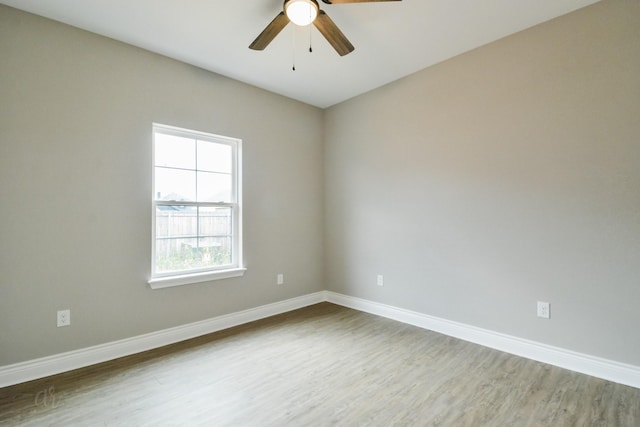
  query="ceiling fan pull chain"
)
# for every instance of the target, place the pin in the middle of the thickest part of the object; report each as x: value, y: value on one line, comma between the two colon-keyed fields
x: 293, y: 48
x: 310, y: 49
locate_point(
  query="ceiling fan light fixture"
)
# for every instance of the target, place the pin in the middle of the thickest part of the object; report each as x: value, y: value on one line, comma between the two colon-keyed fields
x: 301, y: 12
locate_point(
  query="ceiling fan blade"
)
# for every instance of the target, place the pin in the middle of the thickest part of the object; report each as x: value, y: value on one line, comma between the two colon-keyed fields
x: 270, y: 32
x: 332, y: 33
x: 353, y: 1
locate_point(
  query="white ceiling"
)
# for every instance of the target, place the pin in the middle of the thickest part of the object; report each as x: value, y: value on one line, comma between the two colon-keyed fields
x: 392, y: 39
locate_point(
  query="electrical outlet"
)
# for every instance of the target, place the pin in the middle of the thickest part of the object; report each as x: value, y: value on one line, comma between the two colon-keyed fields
x: 380, y: 280
x: 64, y: 318
x: 543, y: 310
x: 280, y: 279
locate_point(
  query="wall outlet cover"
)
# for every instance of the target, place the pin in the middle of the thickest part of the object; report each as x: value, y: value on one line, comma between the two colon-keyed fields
x: 63, y: 318
x: 543, y: 310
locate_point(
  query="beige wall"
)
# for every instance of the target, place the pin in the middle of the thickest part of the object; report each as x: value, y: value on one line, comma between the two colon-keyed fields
x: 75, y: 168
x: 507, y: 175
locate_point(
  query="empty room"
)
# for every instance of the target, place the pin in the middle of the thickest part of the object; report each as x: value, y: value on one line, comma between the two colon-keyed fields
x: 320, y: 213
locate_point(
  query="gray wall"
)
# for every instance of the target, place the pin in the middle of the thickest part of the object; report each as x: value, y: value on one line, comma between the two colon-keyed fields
x: 504, y: 176
x: 75, y: 168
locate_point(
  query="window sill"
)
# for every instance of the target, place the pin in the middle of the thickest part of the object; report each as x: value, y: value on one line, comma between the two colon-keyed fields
x: 187, y: 279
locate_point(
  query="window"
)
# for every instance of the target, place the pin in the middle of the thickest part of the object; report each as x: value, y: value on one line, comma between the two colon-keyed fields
x: 196, y: 207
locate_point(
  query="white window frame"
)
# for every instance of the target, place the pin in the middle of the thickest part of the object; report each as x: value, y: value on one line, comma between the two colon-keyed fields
x: 236, y: 269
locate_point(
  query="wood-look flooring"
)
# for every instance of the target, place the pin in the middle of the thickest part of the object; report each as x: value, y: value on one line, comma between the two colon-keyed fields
x: 323, y: 365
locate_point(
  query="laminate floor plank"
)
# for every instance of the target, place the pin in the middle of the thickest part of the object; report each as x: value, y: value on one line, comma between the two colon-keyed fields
x: 323, y: 365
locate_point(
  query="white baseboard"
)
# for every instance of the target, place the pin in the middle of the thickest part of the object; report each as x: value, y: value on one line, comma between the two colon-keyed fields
x: 590, y: 365
x: 597, y: 367
x: 51, y: 365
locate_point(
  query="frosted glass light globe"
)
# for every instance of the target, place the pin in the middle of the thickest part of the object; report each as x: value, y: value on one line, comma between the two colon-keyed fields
x: 301, y: 12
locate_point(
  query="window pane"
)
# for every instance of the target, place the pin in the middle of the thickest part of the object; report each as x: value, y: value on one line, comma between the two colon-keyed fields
x: 176, y: 254
x: 216, y: 228
x: 215, y: 222
x: 214, y: 187
x: 175, y: 184
x: 215, y: 251
x: 214, y: 157
x: 176, y: 221
x: 175, y: 151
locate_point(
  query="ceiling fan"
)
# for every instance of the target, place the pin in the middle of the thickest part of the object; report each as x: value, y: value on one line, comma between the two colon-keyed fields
x: 305, y: 12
